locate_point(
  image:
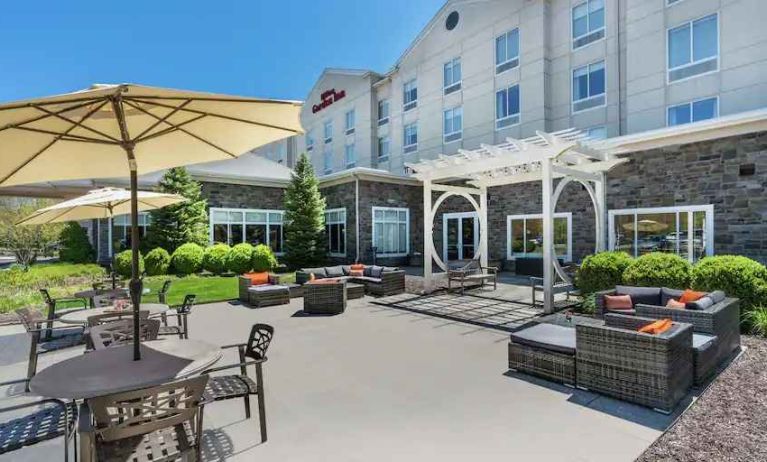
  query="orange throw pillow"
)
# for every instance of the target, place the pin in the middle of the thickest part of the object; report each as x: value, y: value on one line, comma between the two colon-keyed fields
x: 656, y: 327
x: 323, y: 281
x: 690, y: 296
x: 618, y: 302
x: 358, y: 267
x: 676, y: 304
x: 356, y: 273
x: 258, y: 279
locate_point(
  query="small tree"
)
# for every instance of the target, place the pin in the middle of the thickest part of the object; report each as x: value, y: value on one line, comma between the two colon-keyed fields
x: 26, y: 242
x: 305, y: 242
x: 181, y: 223
x: 75, y: 245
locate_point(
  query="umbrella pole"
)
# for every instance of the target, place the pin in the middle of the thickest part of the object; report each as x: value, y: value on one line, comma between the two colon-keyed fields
x: 136, y: 286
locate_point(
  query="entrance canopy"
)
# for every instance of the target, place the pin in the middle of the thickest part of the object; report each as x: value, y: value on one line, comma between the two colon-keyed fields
x: 568, y: 155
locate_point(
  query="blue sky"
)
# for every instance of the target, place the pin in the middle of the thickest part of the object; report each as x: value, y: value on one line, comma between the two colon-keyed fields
x: 260, y: 48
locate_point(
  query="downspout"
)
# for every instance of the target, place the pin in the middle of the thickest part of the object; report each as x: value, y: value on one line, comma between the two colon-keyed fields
x: 357, y: 215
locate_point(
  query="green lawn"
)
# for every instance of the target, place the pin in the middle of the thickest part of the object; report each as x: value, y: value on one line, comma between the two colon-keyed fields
x: 207, y: 288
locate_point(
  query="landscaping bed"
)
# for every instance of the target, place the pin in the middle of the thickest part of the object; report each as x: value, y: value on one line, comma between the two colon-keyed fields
x: 729, y: 421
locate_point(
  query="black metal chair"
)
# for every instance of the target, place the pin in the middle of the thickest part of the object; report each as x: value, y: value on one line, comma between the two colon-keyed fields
x: 226, y: 387
x: 182, y: 322
x: 52, y: 302
x: 52, y: 419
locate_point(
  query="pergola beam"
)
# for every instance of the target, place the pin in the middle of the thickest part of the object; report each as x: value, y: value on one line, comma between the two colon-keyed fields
x: 575, y: 173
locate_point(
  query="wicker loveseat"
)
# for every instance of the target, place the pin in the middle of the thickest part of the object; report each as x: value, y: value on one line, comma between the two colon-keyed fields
x: 378, y: 280
x: 268, y: 294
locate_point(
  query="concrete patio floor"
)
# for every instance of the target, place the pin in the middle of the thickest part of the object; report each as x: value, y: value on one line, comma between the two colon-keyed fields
x: 381, y: 384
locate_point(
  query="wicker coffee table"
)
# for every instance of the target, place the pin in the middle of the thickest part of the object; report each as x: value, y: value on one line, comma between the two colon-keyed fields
x: 325, y: 298
x: 354, y: 291
x: 268, y: 295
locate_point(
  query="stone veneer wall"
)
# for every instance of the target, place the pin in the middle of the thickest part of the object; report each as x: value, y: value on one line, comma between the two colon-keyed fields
x: 342, y: 196
x: 239, y: 196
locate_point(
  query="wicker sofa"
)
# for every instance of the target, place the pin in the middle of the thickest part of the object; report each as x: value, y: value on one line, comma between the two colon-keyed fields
x: 378, y: 280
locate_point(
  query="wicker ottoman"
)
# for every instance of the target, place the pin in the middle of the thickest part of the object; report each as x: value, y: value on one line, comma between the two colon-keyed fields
x: 354, y: 290
x: 267, y: 295
x: 544, y: 350
x: 325, y: 298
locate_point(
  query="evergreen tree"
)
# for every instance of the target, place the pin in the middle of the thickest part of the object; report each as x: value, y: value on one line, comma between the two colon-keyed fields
x: 75, y: 245
x: 305, y: 241
x: 180, y: 223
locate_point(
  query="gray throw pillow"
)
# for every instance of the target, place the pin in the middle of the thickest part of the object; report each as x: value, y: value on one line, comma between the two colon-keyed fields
x: 717, y: 296
x: 334, y: 271
x: 376, y: 271
x: 643, y: 295
x: 700, y: 304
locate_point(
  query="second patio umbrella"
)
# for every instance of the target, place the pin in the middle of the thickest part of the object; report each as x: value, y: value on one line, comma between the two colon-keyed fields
x: 108, y: 129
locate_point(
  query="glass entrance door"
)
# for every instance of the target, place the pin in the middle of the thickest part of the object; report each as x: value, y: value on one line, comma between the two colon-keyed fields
x: 461, y: 235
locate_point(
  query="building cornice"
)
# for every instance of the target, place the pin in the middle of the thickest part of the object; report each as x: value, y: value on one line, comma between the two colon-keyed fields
x: 365, y: 174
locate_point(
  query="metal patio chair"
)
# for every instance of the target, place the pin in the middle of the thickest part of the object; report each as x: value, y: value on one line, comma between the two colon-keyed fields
x: 181, y: 328
x: 52, y: 302
x: 120, y: 332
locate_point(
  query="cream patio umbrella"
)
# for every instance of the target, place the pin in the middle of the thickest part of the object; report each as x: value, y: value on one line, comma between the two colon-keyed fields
x: 108, y: 129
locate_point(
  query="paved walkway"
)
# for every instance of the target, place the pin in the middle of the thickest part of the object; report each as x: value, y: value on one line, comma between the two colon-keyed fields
x: 383, y: 384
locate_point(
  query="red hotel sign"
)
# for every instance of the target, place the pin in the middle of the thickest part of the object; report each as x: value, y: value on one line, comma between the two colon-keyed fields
x: 329, y: 97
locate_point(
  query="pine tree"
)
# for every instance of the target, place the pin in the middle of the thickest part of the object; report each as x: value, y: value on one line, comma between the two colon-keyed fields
x: 180, y: 223
x: 305, y: 241
x: 75, y: 245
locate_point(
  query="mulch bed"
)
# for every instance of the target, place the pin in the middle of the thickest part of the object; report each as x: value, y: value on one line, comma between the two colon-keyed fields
x: 728, y: 422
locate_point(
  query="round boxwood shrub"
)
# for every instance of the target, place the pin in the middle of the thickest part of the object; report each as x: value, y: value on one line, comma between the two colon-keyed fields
x: 157, y: 261
x: 240, y: 259
x: 263, y: 258
x: 736, y: 276
x: 187, y: 259
x: 122, y: 264
x: 215, y: 257
x: 602, y: 271
x: 658, y: 269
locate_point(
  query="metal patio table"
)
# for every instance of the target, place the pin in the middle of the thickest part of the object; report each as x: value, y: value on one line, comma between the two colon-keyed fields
x: 81, y: 316
x: 113, y: 370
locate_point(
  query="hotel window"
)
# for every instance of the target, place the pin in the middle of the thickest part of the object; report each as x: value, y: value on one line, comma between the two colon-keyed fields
x: 328, y: 131
x: 524, y: 236
x: 507, y: 107
x: 507, y: 51
x: 451, y: 78
x: 235, y: 226
x: 350, y: 156
x: 452, y: 128
x: 684, y: 230
x: 693, y: 48
x: 310, y: 140
x: 410, y: 141
x: 694, y: 111
x: 410, y: 95
x: 121, y: 230
x: 327, y: 160
x: 597, y: 133
x: 391, y: 231
x: 383, y: 112
x: 335, y: 228
x: 588, y: 22
x: 349, y: 118
x: 589, y: 87
x: 383, y: 148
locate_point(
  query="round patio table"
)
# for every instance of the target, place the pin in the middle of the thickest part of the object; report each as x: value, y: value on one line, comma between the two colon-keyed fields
x: 81, y: 316
x: 90, y: 293
x: 113, y: 370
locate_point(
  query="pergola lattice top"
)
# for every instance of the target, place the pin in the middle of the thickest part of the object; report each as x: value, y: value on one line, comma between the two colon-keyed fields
x: 518, y: 161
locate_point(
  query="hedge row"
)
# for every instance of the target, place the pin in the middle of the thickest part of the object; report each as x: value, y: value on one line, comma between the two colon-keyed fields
x: 191, y: 258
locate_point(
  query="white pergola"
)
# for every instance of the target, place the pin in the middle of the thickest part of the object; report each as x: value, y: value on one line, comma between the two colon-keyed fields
x: 567, y: 155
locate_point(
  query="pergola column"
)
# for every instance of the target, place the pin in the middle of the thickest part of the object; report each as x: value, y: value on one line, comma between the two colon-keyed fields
x: 601, y: 210
x: 428, y: 234
x: 484, y: 227
x: 548, y: 235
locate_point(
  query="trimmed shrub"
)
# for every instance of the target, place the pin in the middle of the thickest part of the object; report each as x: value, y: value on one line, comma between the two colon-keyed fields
x: 75, y: 246
x: 602, y: 271
x: 157, y: 262
x: 263, y: 258
x: 187, y: 259
x: 122, y: 264
x: 658, y: 269
x: 736, y: 276
x: 240, y: 259
x: 215, y: 257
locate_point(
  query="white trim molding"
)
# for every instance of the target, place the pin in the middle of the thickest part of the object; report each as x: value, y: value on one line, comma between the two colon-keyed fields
x: 340, y: 221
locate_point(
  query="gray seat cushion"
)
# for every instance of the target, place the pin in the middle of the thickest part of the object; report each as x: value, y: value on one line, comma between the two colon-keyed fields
x: 366, y: 279
x: 643, y: 295
x: 267, y: 288
x: 334, y: 271
x: 318, y: 273
x: 701, y: 303
x: 547, y: 337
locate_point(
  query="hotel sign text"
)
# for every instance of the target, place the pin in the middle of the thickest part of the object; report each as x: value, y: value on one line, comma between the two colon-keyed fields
x: 329, y: 97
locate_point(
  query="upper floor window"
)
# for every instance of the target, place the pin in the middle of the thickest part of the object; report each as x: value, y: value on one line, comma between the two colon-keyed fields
x: 507, y: 51
x: 349, y: 124
x: 327, y: 160
x: 328, y: 130
x: 310, y: 140
x: 350, y: 156
x: 383, y: 148
x: 694, y: 111
x: 507, y: 107
x: 693, y: 48
x: 453, y: 124
x: 589, y: 86
x: 383, y: 112
x: 410, y: 95
x: 597, y: 133
x: 452, y: 76
x: 410, y: 139
x: 588, y: 22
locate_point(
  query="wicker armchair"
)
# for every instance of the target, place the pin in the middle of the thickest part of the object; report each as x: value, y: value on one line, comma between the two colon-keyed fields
x: 617, y: 360
x: 325, y: 298
x: 392, y: 283
x: 245, y: 283
x: 158, y: 423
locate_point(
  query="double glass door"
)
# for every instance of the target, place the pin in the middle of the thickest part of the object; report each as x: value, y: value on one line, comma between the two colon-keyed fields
x: 460, y: 235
